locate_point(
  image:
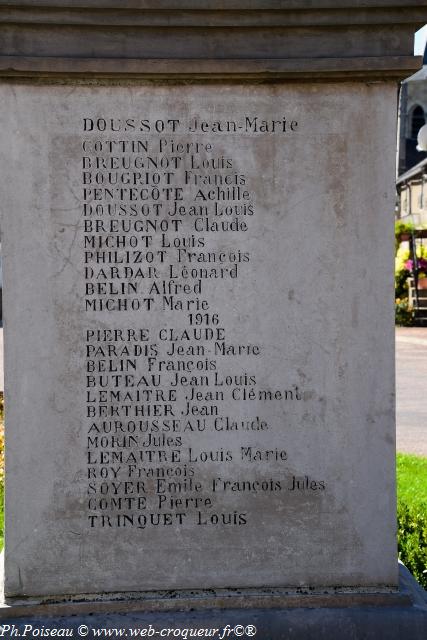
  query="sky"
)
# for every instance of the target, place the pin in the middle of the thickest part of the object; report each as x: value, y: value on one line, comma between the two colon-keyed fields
x: 420, y: 41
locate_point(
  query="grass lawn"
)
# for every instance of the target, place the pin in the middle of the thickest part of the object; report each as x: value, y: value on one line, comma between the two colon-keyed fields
x: 411, y: 478
x: 412, y: 514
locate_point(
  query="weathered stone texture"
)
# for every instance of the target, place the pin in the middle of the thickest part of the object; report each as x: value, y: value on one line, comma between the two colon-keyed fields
x: 314, y: 294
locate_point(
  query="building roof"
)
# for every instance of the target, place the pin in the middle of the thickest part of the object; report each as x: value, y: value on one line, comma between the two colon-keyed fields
x: 422, y: 73
x: 419, y: 75
x: 419, y: 168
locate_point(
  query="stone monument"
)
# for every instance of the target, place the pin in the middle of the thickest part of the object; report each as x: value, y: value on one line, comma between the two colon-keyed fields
x: 197, y: 206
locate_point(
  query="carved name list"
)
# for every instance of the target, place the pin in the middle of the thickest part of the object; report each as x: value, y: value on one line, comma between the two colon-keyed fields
x: 176, y: 411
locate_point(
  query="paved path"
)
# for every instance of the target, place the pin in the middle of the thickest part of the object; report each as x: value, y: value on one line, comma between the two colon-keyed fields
x: 411, y: 389
x: 1, y: 360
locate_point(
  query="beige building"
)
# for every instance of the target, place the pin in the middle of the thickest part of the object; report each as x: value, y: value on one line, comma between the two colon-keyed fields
x: 412, y: 191
x: 412, y: 208
x: 411, y: 182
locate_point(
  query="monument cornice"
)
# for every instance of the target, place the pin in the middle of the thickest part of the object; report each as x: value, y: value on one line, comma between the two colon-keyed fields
x: 193, y: 40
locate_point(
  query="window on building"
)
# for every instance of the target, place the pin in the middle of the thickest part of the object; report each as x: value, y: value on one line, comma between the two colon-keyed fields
x: 417, y: 121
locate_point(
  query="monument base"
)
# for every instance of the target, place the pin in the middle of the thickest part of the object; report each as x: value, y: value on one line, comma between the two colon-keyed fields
x: 264, y: 614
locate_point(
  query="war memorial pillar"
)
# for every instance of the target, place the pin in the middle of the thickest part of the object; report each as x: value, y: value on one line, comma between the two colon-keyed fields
x: 197, y: 205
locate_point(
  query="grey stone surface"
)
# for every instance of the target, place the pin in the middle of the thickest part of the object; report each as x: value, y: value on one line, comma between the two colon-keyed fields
x: 210, y: 40
x: 405, y: 622
x: 306, y: 291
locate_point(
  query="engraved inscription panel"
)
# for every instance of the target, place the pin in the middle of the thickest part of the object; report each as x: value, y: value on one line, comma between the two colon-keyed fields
x: 203, y: 418
x: 175, y: 415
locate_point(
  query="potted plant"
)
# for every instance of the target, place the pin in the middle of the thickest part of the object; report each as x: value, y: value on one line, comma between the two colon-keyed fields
x: 402, y: 232
x: 421, y: 268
